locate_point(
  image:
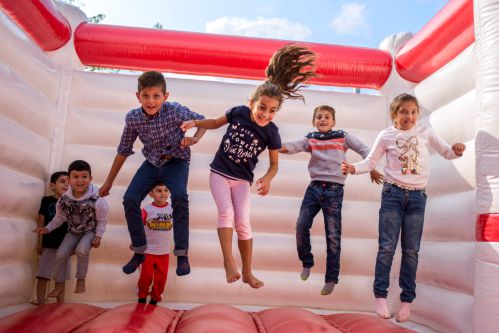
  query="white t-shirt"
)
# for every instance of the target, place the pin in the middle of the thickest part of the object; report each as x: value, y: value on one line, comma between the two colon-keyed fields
x: 158, y: 225
x: 407, y: 155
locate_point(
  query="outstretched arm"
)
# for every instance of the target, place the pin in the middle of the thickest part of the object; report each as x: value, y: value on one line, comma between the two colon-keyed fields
x: 204, y: 123
x: 113, y: 172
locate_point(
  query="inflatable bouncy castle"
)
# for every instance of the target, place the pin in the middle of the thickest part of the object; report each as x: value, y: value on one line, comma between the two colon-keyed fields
x: 53, y: 111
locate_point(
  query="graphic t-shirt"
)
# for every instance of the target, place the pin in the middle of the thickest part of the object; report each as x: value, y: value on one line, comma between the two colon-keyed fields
x: 47, y: 210
x: 158, y: 226
x: 244, y: 140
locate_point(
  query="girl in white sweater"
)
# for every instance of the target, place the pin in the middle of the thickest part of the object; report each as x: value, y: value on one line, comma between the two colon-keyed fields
x: 403, y: 197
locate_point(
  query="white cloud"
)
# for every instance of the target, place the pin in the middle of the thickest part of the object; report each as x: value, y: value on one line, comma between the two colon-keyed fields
x: 351, y: 20
x: 274, y: 27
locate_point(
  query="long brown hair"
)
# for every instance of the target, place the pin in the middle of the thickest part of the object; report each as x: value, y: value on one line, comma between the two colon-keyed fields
x: 288, y: 71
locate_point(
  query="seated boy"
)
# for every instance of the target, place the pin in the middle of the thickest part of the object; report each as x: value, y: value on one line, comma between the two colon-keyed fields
x: 47, y: 244
x: 86, y: 215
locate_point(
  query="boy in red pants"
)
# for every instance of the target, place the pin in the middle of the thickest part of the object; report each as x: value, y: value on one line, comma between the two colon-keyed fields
x: 158, y: 223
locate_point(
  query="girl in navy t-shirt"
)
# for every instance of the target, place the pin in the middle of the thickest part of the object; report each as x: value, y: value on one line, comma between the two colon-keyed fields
x: 249, y: 133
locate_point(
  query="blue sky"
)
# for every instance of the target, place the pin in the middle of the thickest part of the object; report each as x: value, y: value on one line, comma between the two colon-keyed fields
x: 355, y: 23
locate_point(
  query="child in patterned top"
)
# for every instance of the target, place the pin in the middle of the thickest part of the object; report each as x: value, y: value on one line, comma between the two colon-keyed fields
x: 327, y: 149
x: 403, y: 198
x: 86, y: 215
x: 249, y: 133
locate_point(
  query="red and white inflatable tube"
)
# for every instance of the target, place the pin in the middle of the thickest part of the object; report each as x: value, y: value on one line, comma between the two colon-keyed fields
x: 219, y: 55
x: 446, y: 35
x: 41, y: 20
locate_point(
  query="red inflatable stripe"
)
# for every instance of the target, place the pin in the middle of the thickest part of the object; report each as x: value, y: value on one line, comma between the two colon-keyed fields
x: 219, y: 55
x: 487, y: 227
x: 446, y: 35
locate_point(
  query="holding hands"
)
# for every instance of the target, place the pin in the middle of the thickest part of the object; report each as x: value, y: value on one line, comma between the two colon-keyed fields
x: 187, y: 125
x: 347, y: 168
x: 188, y: 141
x: 284, y: 150
x: 458, y: 148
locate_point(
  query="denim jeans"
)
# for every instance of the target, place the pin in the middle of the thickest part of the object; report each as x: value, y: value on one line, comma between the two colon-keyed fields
x: 327, y: 196
x: 174, y: 174
x: 401, y: 213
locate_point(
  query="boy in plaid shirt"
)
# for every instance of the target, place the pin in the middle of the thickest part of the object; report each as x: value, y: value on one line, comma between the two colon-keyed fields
x: 167, y: 154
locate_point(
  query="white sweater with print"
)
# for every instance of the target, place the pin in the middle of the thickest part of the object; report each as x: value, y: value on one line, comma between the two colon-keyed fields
x: 407, y: 155
x: 158, y: 223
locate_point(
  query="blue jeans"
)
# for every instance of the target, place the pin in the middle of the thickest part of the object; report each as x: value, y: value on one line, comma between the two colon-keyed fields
x: 327, y: 196
x: 174, y: 174
x: 402, y: 212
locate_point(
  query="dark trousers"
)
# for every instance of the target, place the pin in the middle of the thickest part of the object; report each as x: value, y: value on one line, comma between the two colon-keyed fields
x: 174, y: 174
x: 327, y: 196
x: 401, y: 213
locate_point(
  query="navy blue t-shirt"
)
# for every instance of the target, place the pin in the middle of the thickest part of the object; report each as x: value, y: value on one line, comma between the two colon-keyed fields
x: 244, y: 140
x: 47, y: 210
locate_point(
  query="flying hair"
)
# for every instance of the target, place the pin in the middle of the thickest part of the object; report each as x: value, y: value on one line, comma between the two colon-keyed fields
x: 288, y: 71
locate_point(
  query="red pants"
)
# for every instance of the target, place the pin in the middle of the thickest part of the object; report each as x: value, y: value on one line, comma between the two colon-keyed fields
x: 154, y: 270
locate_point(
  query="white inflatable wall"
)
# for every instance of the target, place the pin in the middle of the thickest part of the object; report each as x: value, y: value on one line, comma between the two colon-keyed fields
x: 52, y: 112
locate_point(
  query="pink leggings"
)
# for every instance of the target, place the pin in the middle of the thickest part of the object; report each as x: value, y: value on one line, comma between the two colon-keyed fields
x: 233, y: 202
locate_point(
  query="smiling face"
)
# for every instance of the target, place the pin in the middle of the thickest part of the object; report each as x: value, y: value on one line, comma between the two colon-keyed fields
x: 323, y: 120
x: 406, y: 116
x: 79, y: 181
x: 160, y: 194
x: 151, y: 99
x: 60, y: 186
x: 263, y: 110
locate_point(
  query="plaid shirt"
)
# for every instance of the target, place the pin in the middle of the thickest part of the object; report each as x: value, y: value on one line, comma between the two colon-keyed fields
x: 160, y: 134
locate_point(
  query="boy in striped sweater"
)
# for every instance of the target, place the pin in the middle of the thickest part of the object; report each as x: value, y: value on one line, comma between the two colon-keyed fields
x: 327, y: 149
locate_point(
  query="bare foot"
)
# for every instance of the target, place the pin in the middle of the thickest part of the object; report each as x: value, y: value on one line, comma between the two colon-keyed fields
x: 404, y: 312
x: 382, y: 308
x: 252, y: 281
x: 59, y: 289
x: 80, y: 286
x: 231, y: 272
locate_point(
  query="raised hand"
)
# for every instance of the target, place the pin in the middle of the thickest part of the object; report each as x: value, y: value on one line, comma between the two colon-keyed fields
x: 459, y: 148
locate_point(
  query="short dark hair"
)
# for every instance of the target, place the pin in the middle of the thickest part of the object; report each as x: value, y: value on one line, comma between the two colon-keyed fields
x: 79, y: 165
x: 157, y: 183
x: 55, y: 176
x: 151, y: 79
x: 327, y: 108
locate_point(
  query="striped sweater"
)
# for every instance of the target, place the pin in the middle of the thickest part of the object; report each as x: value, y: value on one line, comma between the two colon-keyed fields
x: 327, y: 150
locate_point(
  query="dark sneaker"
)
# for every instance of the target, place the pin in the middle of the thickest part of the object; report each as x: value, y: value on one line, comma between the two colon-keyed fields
x: 134, y: 263
x: 183, y: 267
